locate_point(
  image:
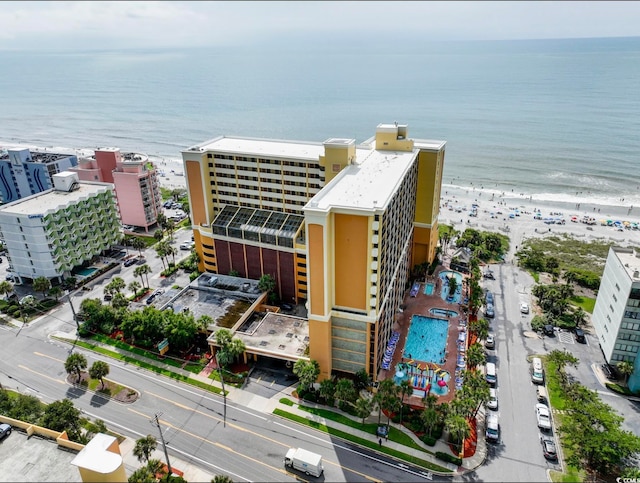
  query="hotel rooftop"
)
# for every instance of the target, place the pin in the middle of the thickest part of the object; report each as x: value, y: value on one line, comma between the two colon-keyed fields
x: 630, y: 259
x: 52, y: 200
x: 262, y: 147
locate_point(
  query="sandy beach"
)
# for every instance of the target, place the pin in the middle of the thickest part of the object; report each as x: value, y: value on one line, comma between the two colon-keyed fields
x: 493, y: 214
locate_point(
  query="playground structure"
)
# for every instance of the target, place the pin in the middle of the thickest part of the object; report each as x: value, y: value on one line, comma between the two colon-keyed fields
x: 425, y: 378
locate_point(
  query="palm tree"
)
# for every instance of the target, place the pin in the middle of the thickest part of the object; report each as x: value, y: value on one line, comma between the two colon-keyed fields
x: 363, y: 407
x: 134, y: 287
x: 161, y: 250
x: 144, y: 447
x: 580, y: 317
x: 138, y: 244
x: 480, y: 327
x: 458, y: 428
x: 475, y: 355
x: 98, y: 370
x: 42, y: 284
x: 345, y: 392
x: 221, y: 479
x: 172, y: 251
x: 76, y: 362
x: 6, y: 287
x: 307, y: 372
x: 405, y: 387
x: 430, y: 418
x: 143, y: 270
x: 626, y: 369
x: 55, y: 292
x: 387, y: 398
x: 116, y: 285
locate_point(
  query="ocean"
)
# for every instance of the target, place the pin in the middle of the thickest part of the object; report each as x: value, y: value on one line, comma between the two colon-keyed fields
x: 553, y: 120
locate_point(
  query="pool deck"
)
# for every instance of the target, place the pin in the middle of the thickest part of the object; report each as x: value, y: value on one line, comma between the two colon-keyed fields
x: 420, y: 305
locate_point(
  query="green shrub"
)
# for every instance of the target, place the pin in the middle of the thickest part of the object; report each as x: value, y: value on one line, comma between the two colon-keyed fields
x: 287, y: 401
x: 428, y: 440
x: 449, y: 458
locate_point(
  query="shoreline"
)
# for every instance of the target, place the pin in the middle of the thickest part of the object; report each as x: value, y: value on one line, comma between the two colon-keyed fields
x: 490, y: 201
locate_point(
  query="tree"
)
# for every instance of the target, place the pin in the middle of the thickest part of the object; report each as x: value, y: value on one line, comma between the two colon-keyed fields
x: 480, y: 327
x: 266, y: 283
x: 98, y: 426
x: 221, y: 479
x: 328, y: 390
x: 430, y: 418
x: 453, y: 285
x: 142, y: 475
x: 404, y: 388
x: 158, y: 235
x: 362, y: 380
x: 116, y: 285
x: 580, y: 317
x: 142, y: 272
x: 387, y: 397
x: 41, y: 284
x: 561, y: 359
x: 55, y: 292
x: 626, y: 369
x: 98, y: 370
x: 161, y: 251
x: 6, y: 288
x: 62, y: 416
x: 144, y: 447
x: 457, y: 427
x: 475, y: 355
x: 23, y: 407
x: 134, y: 287
x: 345, y: 392
x: 363, y: 407
x: 138, y: 244
x: 76, y: 362
x: 307, y: 372
x: 26, y: 305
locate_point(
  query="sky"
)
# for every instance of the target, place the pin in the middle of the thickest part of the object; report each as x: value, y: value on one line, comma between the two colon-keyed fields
x: 121, y: 24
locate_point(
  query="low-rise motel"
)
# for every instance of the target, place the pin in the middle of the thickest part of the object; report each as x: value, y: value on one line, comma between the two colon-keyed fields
x: 337, y: 225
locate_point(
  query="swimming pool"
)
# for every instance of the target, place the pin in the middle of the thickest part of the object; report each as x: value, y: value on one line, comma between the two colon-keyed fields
x: 85, y: 272
x: 426, y: 339
x: 444, y: 293
x: 443, y: 312
x: 428, y: 289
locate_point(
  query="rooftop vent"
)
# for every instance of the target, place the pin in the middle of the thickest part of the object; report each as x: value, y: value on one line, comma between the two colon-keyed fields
x: 636, y: 274
x: 263, y: 343
x: 296, y: 323
x: 306, y: 339
x: 281, y: 347
x: 289, y: 335
x: 272, y: 331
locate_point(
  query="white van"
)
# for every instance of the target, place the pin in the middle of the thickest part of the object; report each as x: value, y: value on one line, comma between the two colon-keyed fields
x: 537, y: 373
x: 493, y: 428
x: 490, y: 374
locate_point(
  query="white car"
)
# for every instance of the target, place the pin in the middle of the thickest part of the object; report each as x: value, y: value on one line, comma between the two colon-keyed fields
x: 493, y: 399
x: 490, y: 343
x: 188, y: 245
x: 524, y: 308
x: 544, y: 418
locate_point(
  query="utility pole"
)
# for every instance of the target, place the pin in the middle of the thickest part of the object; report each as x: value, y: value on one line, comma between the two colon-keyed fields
x: 164, y: 446
x: 73, y: 311
x: 224, y: 393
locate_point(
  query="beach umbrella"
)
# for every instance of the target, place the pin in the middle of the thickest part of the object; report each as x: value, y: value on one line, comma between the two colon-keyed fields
x: 441, y: 383
x: 626, y: 223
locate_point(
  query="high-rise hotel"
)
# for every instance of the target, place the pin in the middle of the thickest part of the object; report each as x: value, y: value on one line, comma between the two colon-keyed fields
x: 335, y: 223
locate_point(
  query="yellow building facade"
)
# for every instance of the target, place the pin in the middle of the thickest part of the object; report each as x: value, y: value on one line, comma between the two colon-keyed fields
x: 369, y: 215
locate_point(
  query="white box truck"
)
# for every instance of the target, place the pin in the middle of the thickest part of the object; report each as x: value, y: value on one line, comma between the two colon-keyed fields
x: 303, y: 460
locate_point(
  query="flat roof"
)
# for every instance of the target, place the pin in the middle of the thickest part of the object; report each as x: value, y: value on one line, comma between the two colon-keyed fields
x: 276, y: 335
x: 368, y: 183
x: 34, y: 458
x: 630, y: 259
x: 52, y: 200
x: 270, y: 148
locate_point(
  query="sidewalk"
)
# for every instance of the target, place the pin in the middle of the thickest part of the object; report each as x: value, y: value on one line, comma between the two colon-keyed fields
x: 264, y: 405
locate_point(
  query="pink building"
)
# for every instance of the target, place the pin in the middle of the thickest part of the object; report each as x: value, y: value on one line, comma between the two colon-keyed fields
x: 135, y: 181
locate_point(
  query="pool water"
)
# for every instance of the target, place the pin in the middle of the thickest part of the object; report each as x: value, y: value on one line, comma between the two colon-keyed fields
x: 443, y: 312
x: 426, y: 339
x: 444, y: 277
x: 428, y: 289
x: 85, y: 272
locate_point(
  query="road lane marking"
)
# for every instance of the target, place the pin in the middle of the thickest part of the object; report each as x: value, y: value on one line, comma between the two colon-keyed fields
x: 239, y: 428
x: 49, y: 357
x: 43, y: 375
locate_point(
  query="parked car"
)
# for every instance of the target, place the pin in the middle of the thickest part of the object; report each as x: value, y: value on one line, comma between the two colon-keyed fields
x: 543, y: 416
x: 489, y: 274
x: 5, y: 430
x: 489, y: 312
x: 548, y: 330
x: 548, y: 448
x: 286, y: 307
x: 488, y: 299
x: 580, y: 337
x: 188, y: 245
x: 493, y: 428
x: 107, y: 297
x: 524, y: 308
x: 129, y: 262
x: 490, y: 343
x: 151, y: 298
x: 493, y: 399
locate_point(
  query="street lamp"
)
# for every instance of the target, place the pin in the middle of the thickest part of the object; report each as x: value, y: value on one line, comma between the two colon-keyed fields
x: 224, y: 393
